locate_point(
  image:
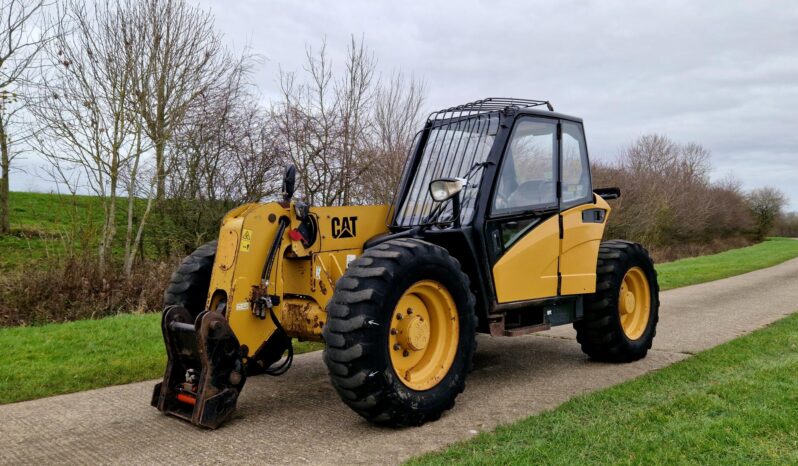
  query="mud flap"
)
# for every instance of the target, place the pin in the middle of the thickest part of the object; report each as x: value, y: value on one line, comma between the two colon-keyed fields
x: 204, y: 371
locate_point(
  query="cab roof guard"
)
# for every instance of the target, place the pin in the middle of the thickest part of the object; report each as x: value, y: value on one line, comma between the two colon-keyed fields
x: 490, y: 104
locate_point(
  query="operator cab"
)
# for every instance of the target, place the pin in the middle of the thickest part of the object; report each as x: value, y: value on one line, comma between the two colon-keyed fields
x: 520, y: 167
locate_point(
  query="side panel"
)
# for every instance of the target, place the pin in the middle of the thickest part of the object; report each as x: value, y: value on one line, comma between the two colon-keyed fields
x: 304, y: 278
x: 244, y: 241
x: 528, y: 270
x: 583, y: 227
x: 349, y: 227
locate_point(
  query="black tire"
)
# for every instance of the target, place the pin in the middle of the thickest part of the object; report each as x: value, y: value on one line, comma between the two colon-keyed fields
x: 600, y: 332
x: 357, y: 332
x: 189, y: 284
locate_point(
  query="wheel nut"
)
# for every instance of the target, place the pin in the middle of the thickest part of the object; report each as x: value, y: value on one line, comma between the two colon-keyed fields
x: 393, y: 331
x: 396, y: 347
x: 406, y: 353
x: 409, y: 311
x: 399, y: 316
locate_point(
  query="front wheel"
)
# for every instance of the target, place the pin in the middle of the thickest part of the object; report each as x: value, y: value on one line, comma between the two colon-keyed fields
x: 620, y: 318
x: 188, y: 286
x: 400, y: 333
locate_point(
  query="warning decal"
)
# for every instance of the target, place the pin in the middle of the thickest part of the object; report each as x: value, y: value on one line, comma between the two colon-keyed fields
x: 246, y: 240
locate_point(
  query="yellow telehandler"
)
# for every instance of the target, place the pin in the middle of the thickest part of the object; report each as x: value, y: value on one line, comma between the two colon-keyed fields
x: 495, y: 228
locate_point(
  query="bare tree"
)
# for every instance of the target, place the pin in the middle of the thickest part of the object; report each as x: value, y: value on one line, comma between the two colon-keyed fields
x: 347, y: 132
x: 669, y: 201
x: 397, y: 119
x: 22, y: 36
x: 128, y: 76
x: 226, y: 153
x: 766, y: 204
x: 136, y: 190
x: 324, y: 121
x: 179, y: 58
x: 355, y: 92
x: 88, y: 130
x: 256, y: 161
x: 788, y: 225
x: 306, y: 119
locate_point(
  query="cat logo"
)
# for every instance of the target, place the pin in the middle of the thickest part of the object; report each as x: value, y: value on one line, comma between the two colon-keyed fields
x: 344, y: 227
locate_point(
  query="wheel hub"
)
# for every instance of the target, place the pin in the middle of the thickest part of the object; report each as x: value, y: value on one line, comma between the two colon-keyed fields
x: 423, y: 335
x: 634, y: 303
x: 628, y: 302
x: 413, y: 333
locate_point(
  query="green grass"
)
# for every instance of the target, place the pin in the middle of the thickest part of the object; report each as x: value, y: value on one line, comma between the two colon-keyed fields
x: 43, y: 226
x: 74, y: 356
x: 734, y: 404
x: 42, y: 223
x: 50, y: 212
x: 702, y: 269
x: 18, y: 251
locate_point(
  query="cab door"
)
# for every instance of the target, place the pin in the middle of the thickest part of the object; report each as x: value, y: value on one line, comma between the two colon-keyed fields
x: 523, y: 229
x: 583, y: 214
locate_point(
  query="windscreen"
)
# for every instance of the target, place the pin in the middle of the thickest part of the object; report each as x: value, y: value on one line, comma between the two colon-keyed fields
x: 452, y: 148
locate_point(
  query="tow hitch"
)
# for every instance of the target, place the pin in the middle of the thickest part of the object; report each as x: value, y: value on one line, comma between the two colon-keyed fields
x: 204, y: 372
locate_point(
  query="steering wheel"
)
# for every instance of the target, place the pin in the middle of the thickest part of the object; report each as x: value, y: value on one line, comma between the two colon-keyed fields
x: 530, y: 193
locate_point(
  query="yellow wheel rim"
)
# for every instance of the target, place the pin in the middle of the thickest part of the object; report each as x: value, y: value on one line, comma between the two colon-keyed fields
x: 424, y: 333
x: 634, y: 303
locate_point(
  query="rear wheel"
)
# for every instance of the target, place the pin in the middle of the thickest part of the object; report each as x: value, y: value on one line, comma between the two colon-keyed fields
x: 620, y: 319
x: 400, y: 333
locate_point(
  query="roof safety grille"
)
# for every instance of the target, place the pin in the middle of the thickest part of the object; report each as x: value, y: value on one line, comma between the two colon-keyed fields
x: 491, y: 104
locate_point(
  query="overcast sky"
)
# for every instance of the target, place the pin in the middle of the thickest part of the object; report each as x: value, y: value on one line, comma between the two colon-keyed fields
x: 723, y: 74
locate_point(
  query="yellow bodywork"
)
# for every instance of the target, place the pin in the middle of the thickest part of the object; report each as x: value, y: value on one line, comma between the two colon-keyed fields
x: 579, y: 248
x: 528, y: 270
x: 303, y: 279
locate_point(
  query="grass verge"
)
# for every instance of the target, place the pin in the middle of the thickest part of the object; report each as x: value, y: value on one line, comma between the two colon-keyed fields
x: 74, y: 356
x: 733, y: 404
x: 694, y: 270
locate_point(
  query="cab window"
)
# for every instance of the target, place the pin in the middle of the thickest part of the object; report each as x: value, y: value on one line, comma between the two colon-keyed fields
x: 575, y: 167
x: 528, y: 177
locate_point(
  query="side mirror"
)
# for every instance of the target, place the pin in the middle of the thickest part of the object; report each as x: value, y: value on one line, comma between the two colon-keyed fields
x: 289, y: 182
x: 608, y: 193
x: 445, y: 188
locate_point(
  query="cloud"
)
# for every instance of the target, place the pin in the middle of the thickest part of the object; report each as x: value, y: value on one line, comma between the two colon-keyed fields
x: 723, y: 74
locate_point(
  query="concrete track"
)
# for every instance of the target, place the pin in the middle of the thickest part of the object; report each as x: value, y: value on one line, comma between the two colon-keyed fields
x: 298, y: 418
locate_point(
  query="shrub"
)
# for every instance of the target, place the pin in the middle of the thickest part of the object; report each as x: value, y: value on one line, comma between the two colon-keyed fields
x: 76, y: 289
x: 668, y: 202
x: 765, y: 204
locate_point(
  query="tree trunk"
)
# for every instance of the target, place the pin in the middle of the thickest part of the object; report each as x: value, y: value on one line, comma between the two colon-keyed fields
x: 160, y: 169
x: 109, y: 226
x: 5, y: 162
x: 136, y: 244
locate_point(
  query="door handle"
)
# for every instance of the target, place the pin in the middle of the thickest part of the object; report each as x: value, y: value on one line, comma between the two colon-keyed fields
x: 497, y: 240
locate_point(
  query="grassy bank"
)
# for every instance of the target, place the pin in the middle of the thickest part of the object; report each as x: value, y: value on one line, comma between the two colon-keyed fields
x: 74, y: 356
x: 49, y: 227
x: 43, y: 224
x: 734, y: 404
x: 694, y: 270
